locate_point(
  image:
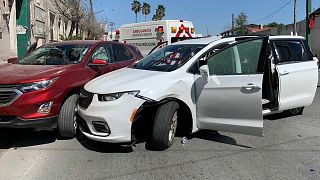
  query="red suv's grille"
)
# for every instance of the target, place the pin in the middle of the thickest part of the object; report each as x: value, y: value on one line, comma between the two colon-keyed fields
x: 8, y: 93
x: 85, y: 99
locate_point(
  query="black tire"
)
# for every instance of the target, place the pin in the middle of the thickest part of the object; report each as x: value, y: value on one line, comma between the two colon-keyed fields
x: 67, y: 120
x: 295, y: 111
x: 164, y: 126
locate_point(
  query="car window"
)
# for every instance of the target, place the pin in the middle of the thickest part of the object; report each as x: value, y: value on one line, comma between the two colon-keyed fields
x: 290, y: 51
x: 103, y: 53
x: 52, y: 54
x: 121, y: 53
x: 203, y: 60
x: 168, y: 58
x: 241, y: 58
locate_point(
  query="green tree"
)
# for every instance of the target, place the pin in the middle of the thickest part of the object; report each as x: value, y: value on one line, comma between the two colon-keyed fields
x: 274, y: 24
x: 160, y: 13
x: 241, y: 23
x: 155, y: 17
x: 146, y: 9
x: 136, y: 7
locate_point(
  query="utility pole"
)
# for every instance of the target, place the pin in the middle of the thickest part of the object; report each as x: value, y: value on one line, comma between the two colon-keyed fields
x: 232, y: 24
x: 308, y: 11
x: 208, y: 32
x: 295, y: 18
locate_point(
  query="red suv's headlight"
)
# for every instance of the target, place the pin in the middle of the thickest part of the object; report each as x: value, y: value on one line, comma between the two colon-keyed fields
x: 36, y: 86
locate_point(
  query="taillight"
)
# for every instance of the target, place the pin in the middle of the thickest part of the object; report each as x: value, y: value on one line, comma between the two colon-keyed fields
x: 160, y: 29
x: 173, y: 29
x: 118, y: 32
x: 192, y: 30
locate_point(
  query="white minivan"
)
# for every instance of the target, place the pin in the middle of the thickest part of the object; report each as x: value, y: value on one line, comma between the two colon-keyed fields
x: 223, y: 84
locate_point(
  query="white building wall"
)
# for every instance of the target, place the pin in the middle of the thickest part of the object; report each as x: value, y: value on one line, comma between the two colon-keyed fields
x: 8, y: 42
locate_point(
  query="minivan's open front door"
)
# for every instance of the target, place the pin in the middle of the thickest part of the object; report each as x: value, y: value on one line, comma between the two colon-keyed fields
x: 231, y: 99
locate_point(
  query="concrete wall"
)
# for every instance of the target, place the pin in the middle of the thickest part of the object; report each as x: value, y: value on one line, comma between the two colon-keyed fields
x: 315, y: 34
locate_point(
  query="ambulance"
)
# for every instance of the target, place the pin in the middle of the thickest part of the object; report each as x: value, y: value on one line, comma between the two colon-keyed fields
x: 148, y: 36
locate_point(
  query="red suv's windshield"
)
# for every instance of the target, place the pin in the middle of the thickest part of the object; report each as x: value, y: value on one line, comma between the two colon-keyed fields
x: 56, y: 55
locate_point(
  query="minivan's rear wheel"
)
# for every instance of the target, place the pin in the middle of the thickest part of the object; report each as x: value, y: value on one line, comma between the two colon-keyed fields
x: 165, y: 126
x: 67, y: 121
x: 295, y: 111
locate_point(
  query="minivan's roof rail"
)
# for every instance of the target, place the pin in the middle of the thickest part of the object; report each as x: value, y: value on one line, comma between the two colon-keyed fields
x: 246, y: 36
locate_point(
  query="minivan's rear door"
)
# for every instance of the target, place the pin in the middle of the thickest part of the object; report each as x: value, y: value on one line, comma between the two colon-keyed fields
x: 297, y: 72
x: 231, y: 98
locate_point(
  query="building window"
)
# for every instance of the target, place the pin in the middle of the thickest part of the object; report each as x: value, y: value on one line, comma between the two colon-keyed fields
x: 0, y: 35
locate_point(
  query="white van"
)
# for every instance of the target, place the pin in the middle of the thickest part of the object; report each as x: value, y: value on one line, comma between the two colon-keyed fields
x: 147, y: 35
x: 223, y: 84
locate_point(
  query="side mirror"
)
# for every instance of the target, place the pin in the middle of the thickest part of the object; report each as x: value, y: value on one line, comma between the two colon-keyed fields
x: 204, y: 71
x: 99, y: 62
x: 13, y: 60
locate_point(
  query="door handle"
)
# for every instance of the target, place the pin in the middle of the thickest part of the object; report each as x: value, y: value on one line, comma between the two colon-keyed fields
x: 249, y: 86
x: 284, y: 73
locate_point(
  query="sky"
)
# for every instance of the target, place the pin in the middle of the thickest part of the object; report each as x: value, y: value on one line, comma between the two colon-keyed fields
x: 213, y: 16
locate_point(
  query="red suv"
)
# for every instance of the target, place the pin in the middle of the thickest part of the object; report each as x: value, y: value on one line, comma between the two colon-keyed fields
x: 41, y: 90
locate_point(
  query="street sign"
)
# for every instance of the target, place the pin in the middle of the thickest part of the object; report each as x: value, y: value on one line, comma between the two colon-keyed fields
x: 22, y: 29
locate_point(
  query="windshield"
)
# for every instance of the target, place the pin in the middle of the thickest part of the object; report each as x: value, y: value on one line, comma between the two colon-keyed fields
x: 169, y: 58
x: 56, y: 55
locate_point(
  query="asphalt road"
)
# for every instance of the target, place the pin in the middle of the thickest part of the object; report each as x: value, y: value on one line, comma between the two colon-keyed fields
x: 290, y: 149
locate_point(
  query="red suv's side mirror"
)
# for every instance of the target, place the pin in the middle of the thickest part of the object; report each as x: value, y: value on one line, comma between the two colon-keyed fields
x: 13, y: 60
x: 99, y: 62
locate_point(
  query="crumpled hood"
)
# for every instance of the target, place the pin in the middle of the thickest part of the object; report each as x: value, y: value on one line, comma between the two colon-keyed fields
x: 19, y: 74
x: 126, y: 79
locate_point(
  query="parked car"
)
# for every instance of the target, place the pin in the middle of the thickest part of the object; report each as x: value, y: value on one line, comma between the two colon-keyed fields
x: 42, y: 89
x: 223, y: 84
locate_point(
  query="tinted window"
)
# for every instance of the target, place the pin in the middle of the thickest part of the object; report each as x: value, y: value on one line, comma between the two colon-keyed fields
x: 239, y: 59
x: 121, y: 53
x: 204, y: 58
x: 103, y: 53
x: 56, y: 55
x: 291, y: 51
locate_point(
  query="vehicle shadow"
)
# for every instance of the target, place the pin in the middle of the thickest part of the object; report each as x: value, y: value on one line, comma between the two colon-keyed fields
x: 279, y: 116
x: 102, y: 147
x: 215, y: 136
x: 16, y: 138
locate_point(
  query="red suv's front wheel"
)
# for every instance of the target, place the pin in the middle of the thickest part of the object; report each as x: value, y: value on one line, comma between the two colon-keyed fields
x: 67, y: 121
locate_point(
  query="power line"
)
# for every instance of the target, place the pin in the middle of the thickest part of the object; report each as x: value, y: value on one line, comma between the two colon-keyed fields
x: 273, y: 13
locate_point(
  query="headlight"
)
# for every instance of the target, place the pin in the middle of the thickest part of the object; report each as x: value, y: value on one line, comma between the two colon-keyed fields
x: 115, y: 96
x: 36, y: 86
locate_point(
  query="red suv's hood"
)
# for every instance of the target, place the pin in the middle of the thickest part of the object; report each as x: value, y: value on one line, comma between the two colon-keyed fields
x: 18, y: 74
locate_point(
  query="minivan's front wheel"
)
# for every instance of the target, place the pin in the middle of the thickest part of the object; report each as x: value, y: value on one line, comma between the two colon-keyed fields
x: 67, y: 121
x: 165, y: 126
